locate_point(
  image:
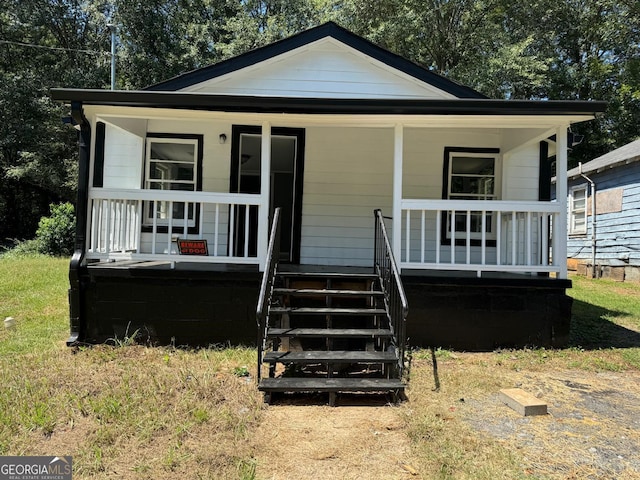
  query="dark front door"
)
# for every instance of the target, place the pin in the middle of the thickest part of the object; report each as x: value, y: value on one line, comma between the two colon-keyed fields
x: 286, y: 179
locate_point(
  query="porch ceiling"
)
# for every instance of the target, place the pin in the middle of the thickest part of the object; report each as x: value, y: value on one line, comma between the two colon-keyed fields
x: 405, y: 111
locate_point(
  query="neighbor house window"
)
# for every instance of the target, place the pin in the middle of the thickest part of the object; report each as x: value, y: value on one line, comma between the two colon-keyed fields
x: 578, y: 210
x: 471, y: 174
x: 172, y: 164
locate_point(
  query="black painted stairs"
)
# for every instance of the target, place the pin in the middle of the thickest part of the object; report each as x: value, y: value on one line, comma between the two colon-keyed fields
x: 329, y: 332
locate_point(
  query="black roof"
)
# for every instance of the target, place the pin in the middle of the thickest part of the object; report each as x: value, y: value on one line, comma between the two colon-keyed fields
x: 339, y: 106
x: 306, y: 37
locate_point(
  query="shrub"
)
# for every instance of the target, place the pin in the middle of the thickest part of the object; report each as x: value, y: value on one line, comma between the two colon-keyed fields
x: 56, y: 233
x: 21, y: 248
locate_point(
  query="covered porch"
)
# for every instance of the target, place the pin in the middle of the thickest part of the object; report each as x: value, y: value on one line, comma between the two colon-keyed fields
x: 487, y: 220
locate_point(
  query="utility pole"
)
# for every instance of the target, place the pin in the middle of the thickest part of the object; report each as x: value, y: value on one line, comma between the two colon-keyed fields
x: 113, y: 29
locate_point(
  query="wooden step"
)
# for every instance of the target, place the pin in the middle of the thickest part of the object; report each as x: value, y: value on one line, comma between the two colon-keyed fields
x: 330, y: 332
x: 292, y: 384
x: 330, y: 356
x: 327, y: 292
x: 326, y: 311
x: 338, y: 275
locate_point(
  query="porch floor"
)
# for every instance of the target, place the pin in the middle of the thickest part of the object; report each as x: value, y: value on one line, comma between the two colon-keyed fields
x: 457, y: 277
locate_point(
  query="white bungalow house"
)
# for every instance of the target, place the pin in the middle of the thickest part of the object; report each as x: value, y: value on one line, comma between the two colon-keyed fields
x: 328, y: 127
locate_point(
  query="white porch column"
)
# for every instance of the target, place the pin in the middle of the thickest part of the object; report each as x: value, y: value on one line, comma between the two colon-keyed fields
x: 560, y: 227
x: 265, y: 194
x: 398, y: 142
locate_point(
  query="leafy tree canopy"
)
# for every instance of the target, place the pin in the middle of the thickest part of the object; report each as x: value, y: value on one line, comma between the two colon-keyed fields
x: 541, y: 49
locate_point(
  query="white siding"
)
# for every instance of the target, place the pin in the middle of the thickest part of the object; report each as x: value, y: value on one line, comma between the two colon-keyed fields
x: 424, y: 156
x: 123, y: 154
x: 324, y: 69
x: 215, y: 174
x: 347, y: 175
x: 520, y: 173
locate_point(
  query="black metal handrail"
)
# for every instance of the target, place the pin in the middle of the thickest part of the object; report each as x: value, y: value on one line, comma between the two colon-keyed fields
x: 266, y: 288
x: 395, y: 299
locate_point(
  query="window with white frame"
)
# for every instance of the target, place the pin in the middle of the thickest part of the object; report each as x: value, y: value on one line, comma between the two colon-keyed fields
x: 578, y: 210
x: 472, y: 174
x: 171, y: 164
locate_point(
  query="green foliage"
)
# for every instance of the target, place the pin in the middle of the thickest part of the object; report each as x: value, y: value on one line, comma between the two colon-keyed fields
x: 545, y: 49
x: 242, y: 371
x: 55, y: 234
x: 22, y: 248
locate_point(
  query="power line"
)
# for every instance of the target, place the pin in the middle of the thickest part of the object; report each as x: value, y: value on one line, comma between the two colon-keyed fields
x: 32, y: 45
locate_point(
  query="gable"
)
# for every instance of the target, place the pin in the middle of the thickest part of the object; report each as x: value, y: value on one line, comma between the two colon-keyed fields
x: 324, y: 69
x: 323, y: 62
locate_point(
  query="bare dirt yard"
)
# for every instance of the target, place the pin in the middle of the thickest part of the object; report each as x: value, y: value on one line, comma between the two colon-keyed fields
x: 464, y: 431
x: 592, y: 430
x: 350, y: 442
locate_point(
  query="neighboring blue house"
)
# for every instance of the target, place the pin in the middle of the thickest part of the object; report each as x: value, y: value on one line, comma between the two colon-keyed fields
x: 615, y: 247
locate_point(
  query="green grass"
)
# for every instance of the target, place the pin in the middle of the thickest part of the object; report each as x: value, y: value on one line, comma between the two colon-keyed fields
x: 606, y: 322
x: 604, y: 338
x: 33, y: 291
x: 126, y: 412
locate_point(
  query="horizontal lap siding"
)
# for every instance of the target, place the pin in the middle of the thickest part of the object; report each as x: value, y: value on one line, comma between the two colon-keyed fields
x: 124, y: 168
x: 215, y: 176
x: 123, y: 153
x: 618, y: 233
x: 521, y: 170
x: 424, y: 156
x: 325, y: 70
x: 348, y: 174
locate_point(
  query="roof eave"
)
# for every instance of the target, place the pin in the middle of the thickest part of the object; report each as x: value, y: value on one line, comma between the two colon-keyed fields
x: 300, y: 105
x: 575, y: 172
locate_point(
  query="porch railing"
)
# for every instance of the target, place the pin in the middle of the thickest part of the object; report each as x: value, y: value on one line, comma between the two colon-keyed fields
x: 266, y: 287
x: 145, y: 225
x: 478, y: 235
x: 395, y: 299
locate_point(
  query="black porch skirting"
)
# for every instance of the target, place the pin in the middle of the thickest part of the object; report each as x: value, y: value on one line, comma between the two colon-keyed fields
x: 203, y: 305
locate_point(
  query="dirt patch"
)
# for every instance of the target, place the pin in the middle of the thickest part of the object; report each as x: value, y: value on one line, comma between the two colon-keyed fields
x: 347, y: 442
x: 592, y: 429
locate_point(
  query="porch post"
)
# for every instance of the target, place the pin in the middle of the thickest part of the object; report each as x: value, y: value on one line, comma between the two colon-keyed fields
x: 398, y: 141
x: 560, y: 227
x: 265, y: 194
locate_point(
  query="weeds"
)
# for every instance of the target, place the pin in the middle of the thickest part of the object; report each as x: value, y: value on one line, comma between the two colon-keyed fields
x: 247, y: 469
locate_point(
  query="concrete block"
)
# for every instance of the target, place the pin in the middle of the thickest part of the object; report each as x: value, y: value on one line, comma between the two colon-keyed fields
x: 581, y: 269
x: 632, y: 274
x: 522, y: 402
x: 613, y: 273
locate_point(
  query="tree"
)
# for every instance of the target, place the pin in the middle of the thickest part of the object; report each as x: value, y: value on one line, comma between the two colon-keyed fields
x: 592, y: 47
x: 259, y: 22
x: 45, y: 43
x: 541, y: 49
x: 159, y: 39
